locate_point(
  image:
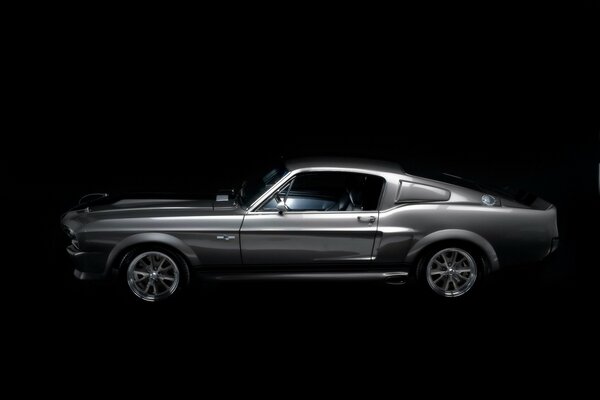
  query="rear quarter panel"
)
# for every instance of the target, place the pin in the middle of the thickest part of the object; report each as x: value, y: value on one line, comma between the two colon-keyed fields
x: 516, y: 235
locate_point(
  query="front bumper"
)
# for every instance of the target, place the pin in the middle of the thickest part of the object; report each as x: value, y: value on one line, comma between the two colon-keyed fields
x: 88, y: 265
x: 554, y: 245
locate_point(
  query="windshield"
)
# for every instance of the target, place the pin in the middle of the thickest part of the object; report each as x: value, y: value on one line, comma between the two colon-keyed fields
x: 255, y: 186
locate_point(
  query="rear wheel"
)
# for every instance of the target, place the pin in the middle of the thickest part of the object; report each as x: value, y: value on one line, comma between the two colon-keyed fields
x: 450, y: 271
x: 155, y: 274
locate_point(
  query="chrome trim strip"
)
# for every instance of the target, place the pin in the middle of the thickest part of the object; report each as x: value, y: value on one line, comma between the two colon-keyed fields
x: 73, y: 252
x: 344, y: 276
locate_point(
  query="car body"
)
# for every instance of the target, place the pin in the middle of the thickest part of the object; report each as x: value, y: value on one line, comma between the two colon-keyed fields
x: 311, y: 219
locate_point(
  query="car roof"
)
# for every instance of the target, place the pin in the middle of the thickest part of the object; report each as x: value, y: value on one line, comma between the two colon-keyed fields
x: 342, y: 162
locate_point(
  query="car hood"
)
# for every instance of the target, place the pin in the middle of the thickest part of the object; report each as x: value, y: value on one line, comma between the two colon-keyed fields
x: 137, y: 212
x: 139, y: 202
x: 140, y: 208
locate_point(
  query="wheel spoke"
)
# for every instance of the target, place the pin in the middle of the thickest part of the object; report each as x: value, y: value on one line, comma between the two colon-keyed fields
x: 463, y: 270
x: 147, y: 287
x: 162, y: 261
x: 462, y: 277
x: 445, y: 260
x: 436, y: 272
x: 136, y: 280
x: 439, y: 278
x: 168, y: 268
x: 161, y: 280
x: 453, y: 261
x: 456, y: 283
x: 447, y: 283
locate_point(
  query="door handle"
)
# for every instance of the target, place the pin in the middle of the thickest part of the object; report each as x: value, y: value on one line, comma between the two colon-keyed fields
x: 369, y: 219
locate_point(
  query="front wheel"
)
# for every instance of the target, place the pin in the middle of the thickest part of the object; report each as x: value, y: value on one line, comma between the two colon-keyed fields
x: 155, y: 274
x: 450, y: 271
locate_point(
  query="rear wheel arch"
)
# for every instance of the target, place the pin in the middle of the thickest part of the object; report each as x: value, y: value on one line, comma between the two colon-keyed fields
x: 473, y: 248
x: 456, y: 237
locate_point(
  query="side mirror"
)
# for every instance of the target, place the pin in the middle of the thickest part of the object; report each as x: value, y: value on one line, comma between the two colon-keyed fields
x: 281, y: 207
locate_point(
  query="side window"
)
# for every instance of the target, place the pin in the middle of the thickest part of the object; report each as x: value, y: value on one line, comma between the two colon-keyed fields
x: 372, y: 189
x: 329, y: 191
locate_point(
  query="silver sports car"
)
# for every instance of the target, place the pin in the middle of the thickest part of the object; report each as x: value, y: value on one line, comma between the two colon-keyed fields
x: 313, y: 219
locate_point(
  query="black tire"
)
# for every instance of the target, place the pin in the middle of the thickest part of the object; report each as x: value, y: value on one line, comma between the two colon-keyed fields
x: 178, y: 274
x: 462, y: 283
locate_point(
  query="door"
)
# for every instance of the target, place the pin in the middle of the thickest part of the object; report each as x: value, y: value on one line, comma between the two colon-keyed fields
x: 329, y: 217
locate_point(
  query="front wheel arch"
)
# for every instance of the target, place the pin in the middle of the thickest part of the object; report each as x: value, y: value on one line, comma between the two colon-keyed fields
x: 118, y: 262
x: 142, y: 239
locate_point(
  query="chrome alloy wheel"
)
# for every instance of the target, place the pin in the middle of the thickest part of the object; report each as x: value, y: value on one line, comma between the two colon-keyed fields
x: 153, y: 276
x: 451, y: 272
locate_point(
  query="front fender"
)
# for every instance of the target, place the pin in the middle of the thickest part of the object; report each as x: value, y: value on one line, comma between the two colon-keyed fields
x: 152, y: 237
x: 455, y: 234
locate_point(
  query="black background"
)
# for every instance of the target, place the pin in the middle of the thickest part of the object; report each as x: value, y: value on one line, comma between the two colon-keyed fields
x: 161, y: 112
